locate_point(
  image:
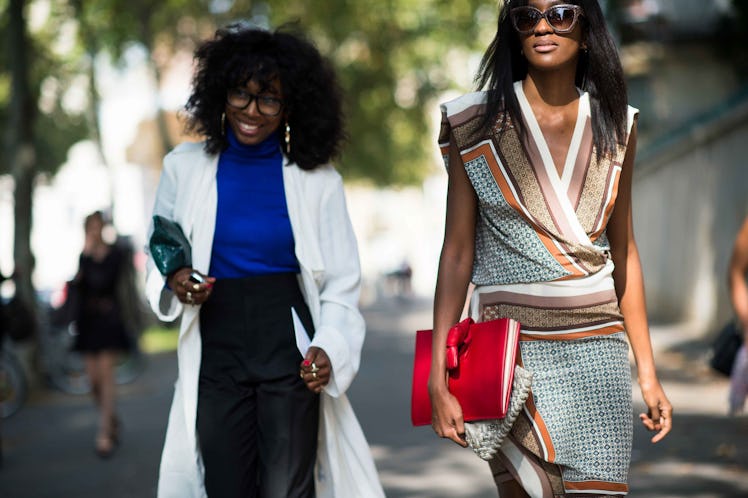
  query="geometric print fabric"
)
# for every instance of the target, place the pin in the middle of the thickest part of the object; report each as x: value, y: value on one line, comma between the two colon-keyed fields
x: 582, y: 391
x: 507, y: 248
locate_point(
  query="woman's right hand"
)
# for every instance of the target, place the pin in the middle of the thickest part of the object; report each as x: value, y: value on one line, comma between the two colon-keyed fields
x: 446, y: 415
x: 187, y: 291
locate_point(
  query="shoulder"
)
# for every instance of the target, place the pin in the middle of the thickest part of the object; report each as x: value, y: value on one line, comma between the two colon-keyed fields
x: 188, y: 148
x: 187, y: 156
x: 632, y: 114
x: 323, y: 176
x: 184, y: 149
x: 473, y: 103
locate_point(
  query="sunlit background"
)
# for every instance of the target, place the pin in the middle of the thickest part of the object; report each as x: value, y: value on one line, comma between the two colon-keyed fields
x: 108, y: 78
x: 90, y: 96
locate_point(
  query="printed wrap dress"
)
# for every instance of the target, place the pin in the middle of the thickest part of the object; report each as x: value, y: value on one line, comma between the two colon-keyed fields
x: 542, y: 257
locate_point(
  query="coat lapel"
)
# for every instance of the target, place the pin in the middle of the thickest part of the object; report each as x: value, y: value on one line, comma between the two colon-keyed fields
x: 201, y: 220
x: 304, y: 220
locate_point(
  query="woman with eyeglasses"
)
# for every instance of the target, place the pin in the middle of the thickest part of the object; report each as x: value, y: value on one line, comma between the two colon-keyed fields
x: 539, y: 219
x: 270, y: 335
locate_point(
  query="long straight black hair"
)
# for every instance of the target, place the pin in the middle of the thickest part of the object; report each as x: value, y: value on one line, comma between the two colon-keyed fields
x: 599, y: 72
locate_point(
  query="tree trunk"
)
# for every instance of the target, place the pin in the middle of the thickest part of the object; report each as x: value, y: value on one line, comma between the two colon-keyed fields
x: 21, y: 154
x: 148, y: 39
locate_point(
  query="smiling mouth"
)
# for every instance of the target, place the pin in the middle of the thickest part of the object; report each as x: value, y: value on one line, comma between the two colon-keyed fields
x: 248, y: 128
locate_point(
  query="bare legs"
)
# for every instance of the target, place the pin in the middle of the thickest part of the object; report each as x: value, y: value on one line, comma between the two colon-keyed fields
x: 100, y: 371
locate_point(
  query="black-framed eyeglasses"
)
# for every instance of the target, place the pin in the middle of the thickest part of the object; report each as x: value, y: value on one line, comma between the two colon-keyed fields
x: 561, y: 18
x: 239, y: 98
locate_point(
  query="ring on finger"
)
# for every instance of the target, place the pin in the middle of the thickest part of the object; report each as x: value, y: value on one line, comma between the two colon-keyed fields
x: 314, y: 374
x: 315, y: 368
x: 189, y: 297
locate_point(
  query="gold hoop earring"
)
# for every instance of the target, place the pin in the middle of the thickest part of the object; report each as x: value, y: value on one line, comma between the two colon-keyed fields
x: 288, y: 139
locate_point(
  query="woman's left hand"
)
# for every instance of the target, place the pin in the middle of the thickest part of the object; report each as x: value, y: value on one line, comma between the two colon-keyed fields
x: 315, y: 369
x: 659, y: 416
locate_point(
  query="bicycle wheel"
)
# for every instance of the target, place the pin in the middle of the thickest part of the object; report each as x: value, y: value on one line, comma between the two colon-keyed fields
x: 68, y: 374
x: 13, y: 388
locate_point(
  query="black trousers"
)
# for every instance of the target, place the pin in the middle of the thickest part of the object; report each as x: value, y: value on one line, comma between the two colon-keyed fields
x: 256, y: 420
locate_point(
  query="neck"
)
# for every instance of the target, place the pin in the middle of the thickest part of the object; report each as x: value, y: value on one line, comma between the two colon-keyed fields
x: 95, y: 247
x: 553, y: 88
x: 268, y: 147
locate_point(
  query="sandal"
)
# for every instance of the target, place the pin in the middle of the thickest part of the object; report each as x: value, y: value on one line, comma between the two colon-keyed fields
x: 105, y: 445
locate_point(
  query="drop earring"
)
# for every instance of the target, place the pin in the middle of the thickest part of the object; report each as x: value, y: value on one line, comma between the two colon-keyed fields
x: 288, y: 138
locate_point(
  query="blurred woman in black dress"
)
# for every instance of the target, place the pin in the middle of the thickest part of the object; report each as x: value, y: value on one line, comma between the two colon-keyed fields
x: 102, y: 333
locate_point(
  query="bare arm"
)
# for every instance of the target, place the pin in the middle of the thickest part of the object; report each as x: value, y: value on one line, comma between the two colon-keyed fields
x: 630, y: 290
x: 453, y: 279
x: 736, y: 274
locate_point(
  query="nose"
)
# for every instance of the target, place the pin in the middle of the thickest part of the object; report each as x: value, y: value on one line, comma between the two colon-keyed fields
x: 542, y: 27
x: 252, y: 109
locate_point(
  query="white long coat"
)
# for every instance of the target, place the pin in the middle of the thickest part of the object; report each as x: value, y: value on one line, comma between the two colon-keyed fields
x: 327, y: 253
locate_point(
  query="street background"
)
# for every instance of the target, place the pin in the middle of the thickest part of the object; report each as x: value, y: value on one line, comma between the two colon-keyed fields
x: 49, y: 443
x: 107, y: 92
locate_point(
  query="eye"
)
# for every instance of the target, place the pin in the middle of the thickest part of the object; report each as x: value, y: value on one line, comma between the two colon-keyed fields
x: 268, y: 100
x: 558, y: 13
x: 561, y: 17
x: 525, y: 18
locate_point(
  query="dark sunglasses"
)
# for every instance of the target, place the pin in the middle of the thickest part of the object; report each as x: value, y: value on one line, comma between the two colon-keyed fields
x: 561, y: 18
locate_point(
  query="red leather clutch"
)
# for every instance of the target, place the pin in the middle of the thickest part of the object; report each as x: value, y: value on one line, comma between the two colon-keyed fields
x: 480, y: 362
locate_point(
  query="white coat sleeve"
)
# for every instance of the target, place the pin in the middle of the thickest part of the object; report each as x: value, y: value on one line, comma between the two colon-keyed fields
x: 163, y: 301
x: 341, y: 328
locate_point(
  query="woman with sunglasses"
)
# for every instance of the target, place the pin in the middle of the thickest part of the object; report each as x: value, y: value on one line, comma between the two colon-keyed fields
x: 270, y: 335
x: 539, y: 219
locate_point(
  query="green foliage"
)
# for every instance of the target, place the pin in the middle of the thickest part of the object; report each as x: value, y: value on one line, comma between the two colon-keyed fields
x: 54, y: 133
x: 52, y: 75
x: 115, y: 24
x: 395, y: 58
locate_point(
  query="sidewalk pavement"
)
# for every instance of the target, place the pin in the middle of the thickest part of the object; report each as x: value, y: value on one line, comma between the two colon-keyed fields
x: 48, y: 445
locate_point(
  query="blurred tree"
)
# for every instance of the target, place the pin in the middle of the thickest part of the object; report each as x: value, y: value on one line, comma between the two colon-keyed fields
x: 20, y: 152
x: 394, y: 58
x: 161, y: 29
x: 38, y: 128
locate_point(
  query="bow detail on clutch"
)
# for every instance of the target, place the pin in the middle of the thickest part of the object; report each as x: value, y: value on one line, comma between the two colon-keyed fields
x: 457, y: 336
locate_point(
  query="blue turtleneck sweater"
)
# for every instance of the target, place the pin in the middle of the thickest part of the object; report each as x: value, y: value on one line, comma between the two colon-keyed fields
x: 253, y: 232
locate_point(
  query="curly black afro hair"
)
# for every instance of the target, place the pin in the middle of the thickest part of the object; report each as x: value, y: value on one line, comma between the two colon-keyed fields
x: 312, y: 99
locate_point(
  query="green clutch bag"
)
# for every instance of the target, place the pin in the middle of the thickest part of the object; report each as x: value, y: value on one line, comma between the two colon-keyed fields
x: 170, y: 249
